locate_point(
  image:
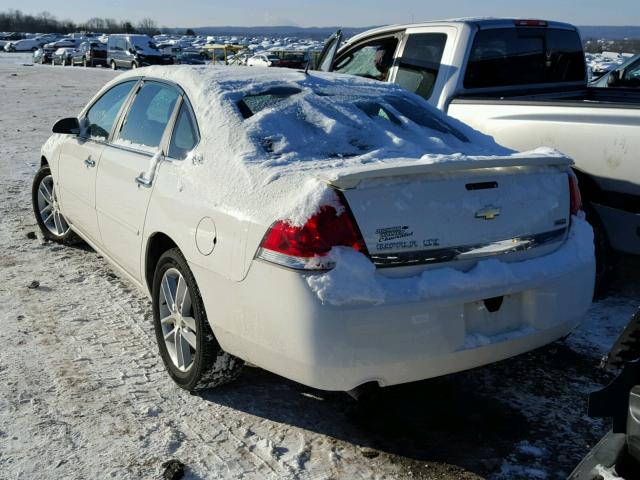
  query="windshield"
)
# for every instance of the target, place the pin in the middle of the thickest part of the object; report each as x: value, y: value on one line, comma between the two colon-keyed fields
x: 504, y: 57
x: 143, y: 44
x: 288, y: 122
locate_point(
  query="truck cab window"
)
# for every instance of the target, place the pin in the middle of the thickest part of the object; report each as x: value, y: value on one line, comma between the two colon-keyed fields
x: 420, y: 62
x: 504, y: 57
x: 370, y: 60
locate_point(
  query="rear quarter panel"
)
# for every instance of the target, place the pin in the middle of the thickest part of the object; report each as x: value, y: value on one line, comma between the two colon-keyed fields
x: 176, y: 211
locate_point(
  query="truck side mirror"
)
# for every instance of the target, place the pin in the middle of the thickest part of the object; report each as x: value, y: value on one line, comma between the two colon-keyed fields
x: 614, y: 78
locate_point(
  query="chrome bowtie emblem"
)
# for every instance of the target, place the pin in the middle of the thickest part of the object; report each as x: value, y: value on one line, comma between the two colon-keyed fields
x: 489, y: 212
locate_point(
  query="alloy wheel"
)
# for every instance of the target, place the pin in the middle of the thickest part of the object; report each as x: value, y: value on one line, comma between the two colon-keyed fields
x: 49, y: 209
x: 176, y: 319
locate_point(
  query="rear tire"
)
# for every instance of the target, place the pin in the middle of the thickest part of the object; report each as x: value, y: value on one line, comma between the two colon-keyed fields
x: 113, y: 65
x: 605, y: 256
x: 44, y: 200
x: 190, y: 352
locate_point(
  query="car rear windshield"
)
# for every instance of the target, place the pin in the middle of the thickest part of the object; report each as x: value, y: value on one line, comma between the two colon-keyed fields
x: 504, y: 57
x: 337, y: 123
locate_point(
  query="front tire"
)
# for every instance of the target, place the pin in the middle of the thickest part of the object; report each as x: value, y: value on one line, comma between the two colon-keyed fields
x: 113, y: 65
x: 190, y: 352
x: 50, y: 219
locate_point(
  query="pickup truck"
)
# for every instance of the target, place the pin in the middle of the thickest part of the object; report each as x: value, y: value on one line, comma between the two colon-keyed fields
x: 524, y: 82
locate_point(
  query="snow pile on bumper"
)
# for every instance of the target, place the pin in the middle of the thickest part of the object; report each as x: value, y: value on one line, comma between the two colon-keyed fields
x: 354, y: 280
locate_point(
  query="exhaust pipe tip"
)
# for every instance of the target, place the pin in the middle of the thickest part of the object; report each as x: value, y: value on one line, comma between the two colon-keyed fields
x: 365, y: 391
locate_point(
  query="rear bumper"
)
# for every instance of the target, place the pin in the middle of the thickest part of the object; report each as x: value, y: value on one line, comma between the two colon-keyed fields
x: 275, y: 321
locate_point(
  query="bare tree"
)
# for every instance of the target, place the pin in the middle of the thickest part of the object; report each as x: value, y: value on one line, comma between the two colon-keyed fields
x: 148, y: 26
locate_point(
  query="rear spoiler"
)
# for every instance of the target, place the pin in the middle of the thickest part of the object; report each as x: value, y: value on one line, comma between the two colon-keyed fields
x: 346, y: 179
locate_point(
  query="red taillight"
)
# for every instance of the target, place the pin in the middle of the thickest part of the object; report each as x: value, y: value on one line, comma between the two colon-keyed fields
x: 575, y: 199
x: 530, y: 23
x: 293, y: 246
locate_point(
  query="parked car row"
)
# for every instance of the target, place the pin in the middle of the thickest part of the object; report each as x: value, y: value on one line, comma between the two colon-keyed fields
x: 133, y: 51
x: 88, y: 54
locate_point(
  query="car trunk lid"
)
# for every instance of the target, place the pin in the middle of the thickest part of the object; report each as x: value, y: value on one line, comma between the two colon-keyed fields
x: 418, y: 213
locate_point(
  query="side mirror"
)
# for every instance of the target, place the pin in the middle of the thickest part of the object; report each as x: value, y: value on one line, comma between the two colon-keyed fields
x: 68, y: 126
x: 614, y: 78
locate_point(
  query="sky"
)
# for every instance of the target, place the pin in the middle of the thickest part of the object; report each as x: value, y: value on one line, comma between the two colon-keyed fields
x: 355, y: 13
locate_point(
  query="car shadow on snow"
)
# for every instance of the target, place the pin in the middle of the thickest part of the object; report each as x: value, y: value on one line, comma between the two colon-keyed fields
x: 449, y: 420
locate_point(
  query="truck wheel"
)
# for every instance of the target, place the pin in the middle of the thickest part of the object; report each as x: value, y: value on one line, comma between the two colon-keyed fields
x: 605, y: 256
x: 190, y: 352
x: 44, y: 199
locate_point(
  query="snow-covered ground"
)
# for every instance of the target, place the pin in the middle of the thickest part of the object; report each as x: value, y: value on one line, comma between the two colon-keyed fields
x: 83, y: 393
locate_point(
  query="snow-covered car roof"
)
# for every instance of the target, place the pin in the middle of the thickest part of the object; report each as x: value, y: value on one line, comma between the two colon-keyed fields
x: 266, y: 134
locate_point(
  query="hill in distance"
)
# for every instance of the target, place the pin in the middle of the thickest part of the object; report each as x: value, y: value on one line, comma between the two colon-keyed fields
x: 320, y: 33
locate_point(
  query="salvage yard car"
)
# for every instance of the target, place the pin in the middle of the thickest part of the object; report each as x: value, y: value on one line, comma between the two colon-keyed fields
x: 334, y: 230
x: 263, y: 60
x: 133, y: 51
x: 523, y: 82
x: 62, y: 56
x: 90, y: 54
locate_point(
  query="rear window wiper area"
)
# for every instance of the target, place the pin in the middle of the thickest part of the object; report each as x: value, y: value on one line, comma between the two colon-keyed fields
x: 255, y: 102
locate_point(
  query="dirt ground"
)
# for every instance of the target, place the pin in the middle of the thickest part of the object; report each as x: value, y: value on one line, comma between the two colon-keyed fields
x: 84, y: 393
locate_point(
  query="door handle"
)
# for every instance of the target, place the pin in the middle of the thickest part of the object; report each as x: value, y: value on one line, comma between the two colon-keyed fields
x: 90, y: 163
x: 141, y: 180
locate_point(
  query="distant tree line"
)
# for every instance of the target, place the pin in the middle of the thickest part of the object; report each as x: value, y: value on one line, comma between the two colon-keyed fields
x: 45, y: 22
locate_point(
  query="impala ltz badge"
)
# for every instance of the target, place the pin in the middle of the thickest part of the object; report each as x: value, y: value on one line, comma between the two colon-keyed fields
x: 489, y: 212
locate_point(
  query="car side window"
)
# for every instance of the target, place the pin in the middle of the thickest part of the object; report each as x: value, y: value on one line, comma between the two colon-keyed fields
x: 185, y: 133
x: 103, y: 113
x: 147, y: 118
x: 371, y: 60
x: 420, y: 62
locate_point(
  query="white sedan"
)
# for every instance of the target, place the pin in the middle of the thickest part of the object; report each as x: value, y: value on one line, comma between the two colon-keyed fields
x: 333, y: 230
x: 263, y: 60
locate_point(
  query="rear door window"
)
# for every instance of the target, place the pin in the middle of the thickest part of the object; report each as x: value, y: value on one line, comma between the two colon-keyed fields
x: 503, y: 57
x: 146, y: 120
x: 103, y: 113
x: 420, y: 62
